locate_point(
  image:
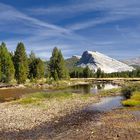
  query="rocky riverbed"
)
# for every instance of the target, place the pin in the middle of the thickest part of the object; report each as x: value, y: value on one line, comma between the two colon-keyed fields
x: 67, y: 120
x: 16, y: 118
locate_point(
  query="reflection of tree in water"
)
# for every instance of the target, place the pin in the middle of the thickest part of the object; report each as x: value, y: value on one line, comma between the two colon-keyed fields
x: 81, y: 88
x: 91, y: 88
x: 76, y: 87
x: 100, y: 86
x: 103, y: 85
x: 86, y: 89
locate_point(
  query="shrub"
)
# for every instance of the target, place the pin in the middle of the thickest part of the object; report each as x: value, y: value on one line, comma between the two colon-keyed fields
x: 134, y: 100
x: 129, y: 89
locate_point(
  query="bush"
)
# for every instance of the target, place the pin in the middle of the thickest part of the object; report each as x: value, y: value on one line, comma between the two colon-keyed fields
x: 134, y: 100
x: 129, y: 89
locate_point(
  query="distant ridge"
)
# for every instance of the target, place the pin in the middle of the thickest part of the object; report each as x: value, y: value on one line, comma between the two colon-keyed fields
x: 72, y: 62
x: 132, y: 61
x: 95, y: 60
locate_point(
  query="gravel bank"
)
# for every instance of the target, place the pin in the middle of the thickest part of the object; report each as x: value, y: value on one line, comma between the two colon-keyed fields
x: 16, y: 117
x: 66, y: 120
x: 82, y: 125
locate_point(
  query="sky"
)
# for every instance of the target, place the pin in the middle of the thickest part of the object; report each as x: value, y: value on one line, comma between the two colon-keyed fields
x: 111, y: 27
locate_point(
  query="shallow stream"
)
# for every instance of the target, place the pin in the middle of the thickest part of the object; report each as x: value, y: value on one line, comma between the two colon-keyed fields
x: 13, y: 94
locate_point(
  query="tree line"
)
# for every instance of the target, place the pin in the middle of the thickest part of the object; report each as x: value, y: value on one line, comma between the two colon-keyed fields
x: 79, y: 72
x: 20, y: 67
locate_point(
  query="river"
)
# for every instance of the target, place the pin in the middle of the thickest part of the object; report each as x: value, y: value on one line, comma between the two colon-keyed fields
x: 13, y: 94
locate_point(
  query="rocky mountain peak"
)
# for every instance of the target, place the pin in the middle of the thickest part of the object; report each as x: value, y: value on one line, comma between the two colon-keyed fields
x: 95, y: 60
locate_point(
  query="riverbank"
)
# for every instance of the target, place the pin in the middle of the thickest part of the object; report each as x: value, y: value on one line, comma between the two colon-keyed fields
x: 61, y: 86
x: 118, y: 124
x: 24, y: 114
x: 63, y: 116
x: 134, y: 100
x: 68, y: 121
x: 37, y: 109
x: 48, y: 84
x: 45, y: 84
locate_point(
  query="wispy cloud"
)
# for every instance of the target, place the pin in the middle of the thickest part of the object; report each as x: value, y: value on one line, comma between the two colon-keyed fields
x: 10, y: 14
x: 111, y: 11
x: 94, y: 22
x: 41, y: 34
x: 36, y: 33
x: 85, y: 6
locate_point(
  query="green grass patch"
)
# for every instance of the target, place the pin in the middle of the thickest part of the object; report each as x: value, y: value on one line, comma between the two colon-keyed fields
x: 28, y: 101
x: 136, y: 96
x: 37, y: 98
x: 110, y: 92
x: 129, y: 89
x: 133, y: 101
x: 40, y: 96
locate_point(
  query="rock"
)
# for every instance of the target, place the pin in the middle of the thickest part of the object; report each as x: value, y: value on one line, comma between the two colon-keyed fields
x: 95, y: 60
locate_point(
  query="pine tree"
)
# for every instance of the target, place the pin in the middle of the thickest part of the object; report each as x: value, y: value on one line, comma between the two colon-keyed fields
x: 32, y: 56
x: 98, y: 73
x: 55, y: 75
x: 21, y: 63
x: 86, y: 72
x: 36, y: 67
x: 31, y: 60
x: 53, y: 64
x: 57, y: 66
x: 62, y: 70
x: 7, y: 70
x: 39, y: 68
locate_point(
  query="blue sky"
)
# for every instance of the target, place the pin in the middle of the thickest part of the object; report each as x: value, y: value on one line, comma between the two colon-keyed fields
x: 111, y: 27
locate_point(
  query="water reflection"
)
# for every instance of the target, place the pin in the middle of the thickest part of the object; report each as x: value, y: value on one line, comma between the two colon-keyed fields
x: 92, y: 88
x: 106, y: 104
x: 80, y: 89
x: 13, y: 94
